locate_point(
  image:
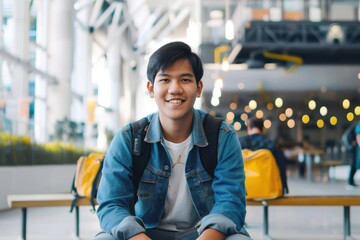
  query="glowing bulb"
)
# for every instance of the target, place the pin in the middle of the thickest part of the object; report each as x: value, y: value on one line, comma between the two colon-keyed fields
x: 346, y: 103
x: 267, y: 124
x: 305, y: 119
x: 278, y: 102
x: 244, y: 117
x: 291, y: 123
x: 333, y: 120
x: 350, y: 116
x: 219, y: 83
x: 357, y: 110
x: 237, y: 126
x: 233, y: 106
x: 215, y: 101
x: 259, y: 114
x: 253, y: 104
x: 323, y: 111
x: 312, y: 104
x: 320, y: 123
x: 282, y: 117
x: 230, y: 116
x: 289, y: 112
x: 216, y: 92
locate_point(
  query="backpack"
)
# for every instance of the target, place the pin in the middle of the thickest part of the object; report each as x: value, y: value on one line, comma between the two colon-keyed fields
x: 262, y: 175
x: 87, y: 177
x: 141, y: 149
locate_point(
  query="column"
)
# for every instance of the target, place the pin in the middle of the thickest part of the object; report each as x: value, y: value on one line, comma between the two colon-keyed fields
x: 81, y: 82
x: 20, y: 76
x: 41, y: 59
x: 60, y: 62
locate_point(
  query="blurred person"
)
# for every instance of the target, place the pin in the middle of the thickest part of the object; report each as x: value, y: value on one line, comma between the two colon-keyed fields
x: 353, y: 145
x: 182, y: 200
x: 257, y: 140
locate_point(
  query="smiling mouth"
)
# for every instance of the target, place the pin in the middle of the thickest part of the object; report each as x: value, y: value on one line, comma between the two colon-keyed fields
x: 175, y: 101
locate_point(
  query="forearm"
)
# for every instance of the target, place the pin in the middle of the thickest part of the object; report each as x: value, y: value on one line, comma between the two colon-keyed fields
x: 211, y: 234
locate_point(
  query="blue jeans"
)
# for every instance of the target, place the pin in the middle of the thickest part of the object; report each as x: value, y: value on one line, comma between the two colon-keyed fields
x: 157, y: 234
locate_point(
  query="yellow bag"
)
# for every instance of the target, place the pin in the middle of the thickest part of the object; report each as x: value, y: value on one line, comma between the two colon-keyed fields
x: 87, y: 177
x: 262, y: 174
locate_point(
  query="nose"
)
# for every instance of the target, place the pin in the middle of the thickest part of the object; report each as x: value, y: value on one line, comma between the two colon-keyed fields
x: 175, y: 87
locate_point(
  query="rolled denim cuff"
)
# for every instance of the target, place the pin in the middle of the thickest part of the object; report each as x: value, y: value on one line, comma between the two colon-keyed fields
x: 218, y: 222
x: 128, y: 227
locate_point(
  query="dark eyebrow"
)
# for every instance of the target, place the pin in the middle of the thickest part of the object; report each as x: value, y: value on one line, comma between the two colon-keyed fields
x: 182, y: 75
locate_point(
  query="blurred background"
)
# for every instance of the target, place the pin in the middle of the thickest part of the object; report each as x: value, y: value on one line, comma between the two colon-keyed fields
x: 74, y: 71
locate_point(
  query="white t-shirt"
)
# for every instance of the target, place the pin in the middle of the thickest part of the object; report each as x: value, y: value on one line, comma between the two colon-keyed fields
x: 179, y: 212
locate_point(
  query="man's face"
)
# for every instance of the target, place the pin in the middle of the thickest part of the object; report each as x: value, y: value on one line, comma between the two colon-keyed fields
x: 175, y: 90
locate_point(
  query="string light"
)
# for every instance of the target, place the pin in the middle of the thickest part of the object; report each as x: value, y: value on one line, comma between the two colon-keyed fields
x: 346, y: 103
x: 312, y: 104
x: 320, y: 123
x: 305, y: 119
x: 278, y: 102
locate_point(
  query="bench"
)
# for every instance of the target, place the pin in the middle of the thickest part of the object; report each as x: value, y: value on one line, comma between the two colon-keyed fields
x: 342, y: 201
x: 53, y: 200
x: 25, y: 201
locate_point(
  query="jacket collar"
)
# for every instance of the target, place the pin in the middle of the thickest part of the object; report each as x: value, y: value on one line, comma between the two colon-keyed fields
x: 198, y: 137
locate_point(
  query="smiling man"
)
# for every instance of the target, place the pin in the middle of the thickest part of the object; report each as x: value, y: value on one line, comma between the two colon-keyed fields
x: 176, y: 197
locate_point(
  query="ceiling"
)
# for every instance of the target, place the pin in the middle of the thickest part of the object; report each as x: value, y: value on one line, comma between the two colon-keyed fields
x: 330, y: 71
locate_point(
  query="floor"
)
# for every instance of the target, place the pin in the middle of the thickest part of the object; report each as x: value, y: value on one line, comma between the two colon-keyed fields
x: 286, y: 223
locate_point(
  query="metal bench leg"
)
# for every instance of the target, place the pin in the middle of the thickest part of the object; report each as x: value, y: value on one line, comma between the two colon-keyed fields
x: 77, y: 216
x: 23, y: 224
x: 347, y: 226
x: 266, y: 220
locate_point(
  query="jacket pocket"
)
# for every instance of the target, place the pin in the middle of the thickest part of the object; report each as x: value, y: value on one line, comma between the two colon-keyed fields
x: 146, y: 184
x: 206, y: 183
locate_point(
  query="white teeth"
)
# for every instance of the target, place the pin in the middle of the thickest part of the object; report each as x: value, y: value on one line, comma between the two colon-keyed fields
x: 175, y: 101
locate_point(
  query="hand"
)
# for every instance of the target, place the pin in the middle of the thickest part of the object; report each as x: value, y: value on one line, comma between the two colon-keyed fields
x: 140, y: 236
x: 211, y: 234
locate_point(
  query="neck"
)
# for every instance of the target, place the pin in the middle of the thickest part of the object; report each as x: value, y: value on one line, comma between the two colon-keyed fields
x: 254, y: 131
x: 176, y: 131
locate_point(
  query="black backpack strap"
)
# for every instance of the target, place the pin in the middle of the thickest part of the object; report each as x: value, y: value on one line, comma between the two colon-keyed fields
x: 140, y: 151
x: 208, y: 154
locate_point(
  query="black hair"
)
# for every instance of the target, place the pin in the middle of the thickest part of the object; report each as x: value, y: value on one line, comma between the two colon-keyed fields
x: 258, y: 123
x: 169, y: 54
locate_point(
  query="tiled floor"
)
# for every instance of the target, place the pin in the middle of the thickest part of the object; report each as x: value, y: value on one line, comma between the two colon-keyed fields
x: 286, y: 223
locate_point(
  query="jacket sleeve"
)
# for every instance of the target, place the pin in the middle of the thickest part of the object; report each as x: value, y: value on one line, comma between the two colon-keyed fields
x: 116, y: 193
x: 229, y: 209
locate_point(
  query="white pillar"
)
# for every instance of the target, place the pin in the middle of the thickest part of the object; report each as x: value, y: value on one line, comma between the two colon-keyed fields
x: 60, y: 61
x: 81, y: 82
x: 20, y: 77
x: 41, y: 57
x: 114, y: 62
x: 1, y: 62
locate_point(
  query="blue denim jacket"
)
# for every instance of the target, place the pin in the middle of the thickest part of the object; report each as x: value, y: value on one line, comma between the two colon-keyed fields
x: 219, y: 201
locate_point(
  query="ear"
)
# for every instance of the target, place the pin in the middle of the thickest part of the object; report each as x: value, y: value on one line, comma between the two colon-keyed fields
x: 150, y: 88
x: 199, y: 88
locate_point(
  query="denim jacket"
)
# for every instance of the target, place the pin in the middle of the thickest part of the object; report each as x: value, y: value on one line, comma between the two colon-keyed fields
x: 219, y: 201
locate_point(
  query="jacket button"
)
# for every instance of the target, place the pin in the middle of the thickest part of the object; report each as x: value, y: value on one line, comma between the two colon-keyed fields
x: 166, y: 167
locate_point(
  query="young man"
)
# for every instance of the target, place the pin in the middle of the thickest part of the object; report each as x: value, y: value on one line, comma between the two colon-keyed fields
x: 257, y: 140
x: 177, y: 198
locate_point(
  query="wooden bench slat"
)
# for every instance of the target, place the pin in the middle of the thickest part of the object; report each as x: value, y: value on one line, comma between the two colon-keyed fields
x: 309, y: 201
x: 44, y: 200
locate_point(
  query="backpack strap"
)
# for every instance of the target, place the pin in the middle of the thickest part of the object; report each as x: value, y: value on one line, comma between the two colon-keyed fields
x: 140, y: 151
x: 208, y: 154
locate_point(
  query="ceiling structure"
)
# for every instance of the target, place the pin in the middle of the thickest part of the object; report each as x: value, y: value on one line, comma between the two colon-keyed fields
x: 310, y: 59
